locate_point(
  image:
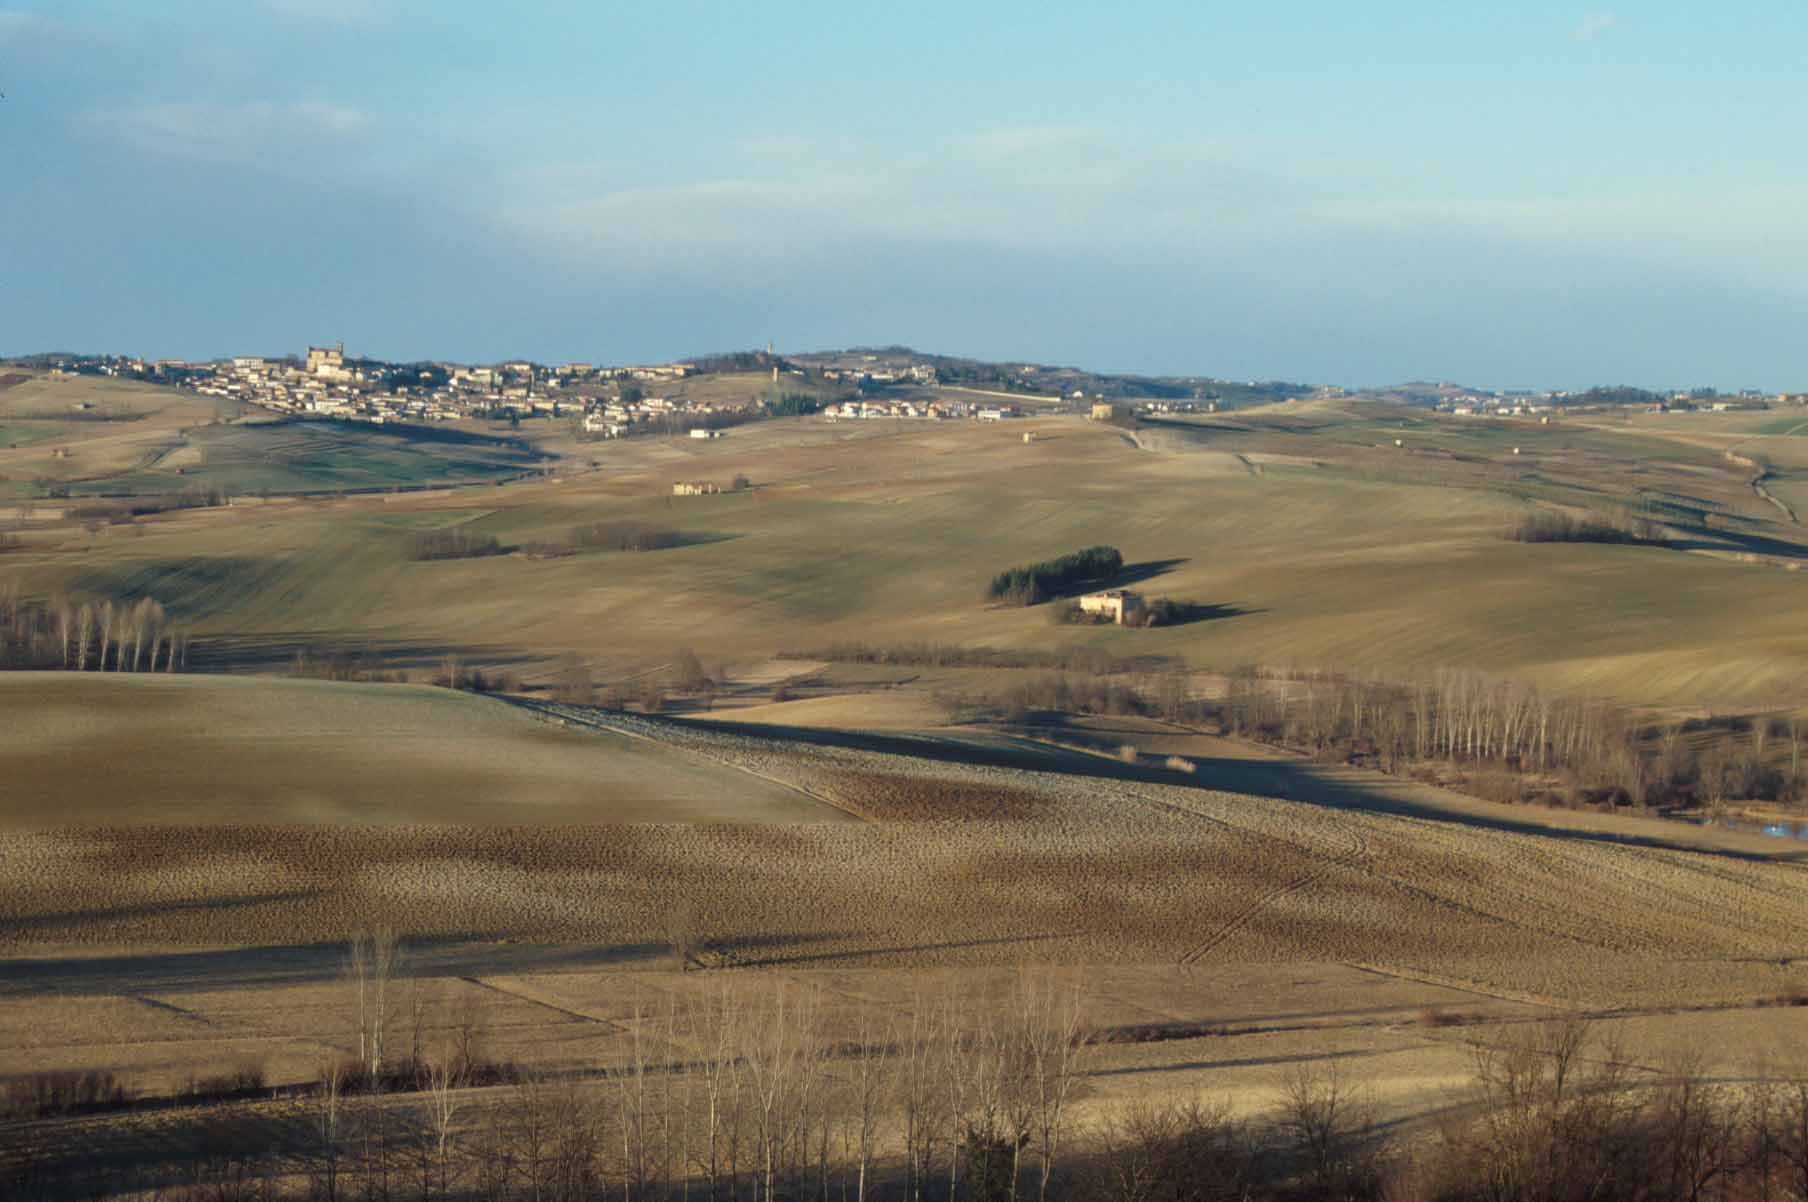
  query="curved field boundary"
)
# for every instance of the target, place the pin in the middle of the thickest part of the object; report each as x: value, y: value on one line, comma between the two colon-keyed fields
x: 1760, y: 473
x: 571, y: 715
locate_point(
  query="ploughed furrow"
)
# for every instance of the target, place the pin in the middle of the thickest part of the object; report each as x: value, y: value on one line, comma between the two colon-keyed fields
x: 1248, y: 913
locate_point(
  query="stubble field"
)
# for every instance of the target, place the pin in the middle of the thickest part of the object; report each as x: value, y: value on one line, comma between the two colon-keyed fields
x: 972, y: 857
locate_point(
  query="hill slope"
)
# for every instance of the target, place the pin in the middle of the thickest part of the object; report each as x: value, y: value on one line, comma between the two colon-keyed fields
x: 87, y: 748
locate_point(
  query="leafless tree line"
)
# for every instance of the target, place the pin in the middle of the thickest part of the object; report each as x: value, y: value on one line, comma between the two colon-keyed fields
x: 1456, y: 714
x: 89, y: 634
x: 1461, y: 716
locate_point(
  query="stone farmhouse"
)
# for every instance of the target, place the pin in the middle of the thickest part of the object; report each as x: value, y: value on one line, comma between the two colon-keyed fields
x: 1119, y: 604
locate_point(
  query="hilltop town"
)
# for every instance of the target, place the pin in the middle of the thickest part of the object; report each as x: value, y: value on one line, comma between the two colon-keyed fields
x: 606, y: 402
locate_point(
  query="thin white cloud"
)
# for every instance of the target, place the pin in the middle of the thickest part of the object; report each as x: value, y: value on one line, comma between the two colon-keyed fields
x: 1022, y: 188
x: 259, y: 132
x: 1594, y: 24
x: 1201, y: 206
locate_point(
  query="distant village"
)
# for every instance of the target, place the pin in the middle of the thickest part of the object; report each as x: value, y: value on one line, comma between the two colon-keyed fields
x: 325, y: 384
x: 1469, y: 403
x: 893, y: 384
x: 604, y: 402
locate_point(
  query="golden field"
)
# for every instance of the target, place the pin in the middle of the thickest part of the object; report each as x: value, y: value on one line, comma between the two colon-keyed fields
x: 1327, y: 545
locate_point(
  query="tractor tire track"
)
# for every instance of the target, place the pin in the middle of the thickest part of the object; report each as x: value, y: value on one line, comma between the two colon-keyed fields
x: 1248, y: 913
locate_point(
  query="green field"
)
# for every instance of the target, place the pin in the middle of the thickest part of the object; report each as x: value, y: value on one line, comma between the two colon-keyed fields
x: 313, y: 457
x: 24, y: 434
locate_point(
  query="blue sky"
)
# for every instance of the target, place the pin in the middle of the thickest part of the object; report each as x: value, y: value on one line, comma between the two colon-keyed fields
x: 1535, y: 194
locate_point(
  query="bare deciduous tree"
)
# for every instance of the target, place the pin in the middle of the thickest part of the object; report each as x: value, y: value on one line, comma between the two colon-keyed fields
x: 104, y: 619
x: 328, y: 1113
x: 1055, y: 1044
x: 1324, y: 1120
x: 63, y: 612
x: 440, y: 1086
x: 84, y: 634
x: 371, y: 966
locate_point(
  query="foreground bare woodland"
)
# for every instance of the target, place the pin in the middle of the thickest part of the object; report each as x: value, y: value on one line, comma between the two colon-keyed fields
x: 982, y: 1087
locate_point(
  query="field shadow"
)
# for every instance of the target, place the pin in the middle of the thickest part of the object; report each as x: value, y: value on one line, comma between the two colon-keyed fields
x: 1137, y: 573
x: 681, y: 540
x: 1186, y: 613
x: 863, y: 953
x: 38, y: 922
x: 1301, y: 781
x: 1195, y: 430
x: 1736, y: 541
x: 418, y: 435
x: 495, y: 953
x: 1124, y: 577
x: 943, y: 748
x: 276, y: 653
x: 1242, y: 1062
x: 1282, y: 779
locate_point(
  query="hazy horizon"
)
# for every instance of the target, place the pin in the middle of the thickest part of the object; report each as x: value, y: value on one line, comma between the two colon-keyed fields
x: 1551, y: 196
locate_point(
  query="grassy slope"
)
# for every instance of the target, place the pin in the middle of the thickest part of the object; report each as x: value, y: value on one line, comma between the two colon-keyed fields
x: 872, y: 534
x: 192, y: 749
x: 31, y: 414
x: 171, y: 445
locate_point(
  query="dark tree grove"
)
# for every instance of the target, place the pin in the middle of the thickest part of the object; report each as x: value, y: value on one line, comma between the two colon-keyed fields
x: 1034, y: 583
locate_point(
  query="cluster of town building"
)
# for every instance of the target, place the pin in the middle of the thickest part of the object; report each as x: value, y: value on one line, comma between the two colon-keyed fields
x: 1533, y: 404
x: 913, y: 373
x: 612, y: 402
x: 325, y: 384
x: 608, y: 402
x: 918, y: 410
